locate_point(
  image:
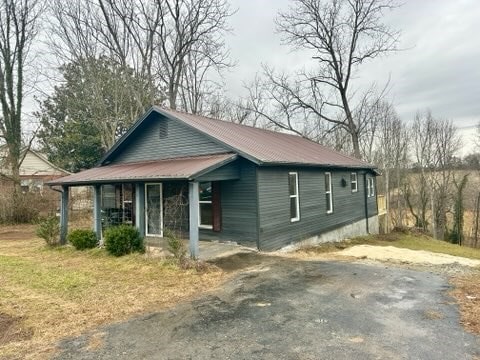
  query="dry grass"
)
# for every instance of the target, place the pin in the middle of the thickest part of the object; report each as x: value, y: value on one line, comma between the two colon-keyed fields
x: 467, y: 294
x: 62, y: 292
x: 433, y: 314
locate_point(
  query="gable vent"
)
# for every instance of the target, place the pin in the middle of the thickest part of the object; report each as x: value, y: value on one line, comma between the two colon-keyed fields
x: 163, y: 131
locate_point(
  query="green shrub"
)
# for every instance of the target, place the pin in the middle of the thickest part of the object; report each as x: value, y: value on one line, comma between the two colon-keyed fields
x: 123, y: 239
x: 175, y: 244
x: 82, y: 239
x: 49, y: 230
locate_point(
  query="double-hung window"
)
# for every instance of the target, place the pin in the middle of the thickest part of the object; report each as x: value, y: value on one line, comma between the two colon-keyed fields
x: 294, y: 198
x: 354, y: 182
x: 370, y: 187
x: 328, y: 192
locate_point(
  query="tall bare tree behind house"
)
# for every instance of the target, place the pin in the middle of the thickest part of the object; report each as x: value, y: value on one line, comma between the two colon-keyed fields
x: 341, y: 35
x: 19, y: 23
x: 171, y: 43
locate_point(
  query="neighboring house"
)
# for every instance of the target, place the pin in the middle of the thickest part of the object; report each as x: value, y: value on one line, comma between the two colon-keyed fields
x: 228, y: 182
x: 35, y: 170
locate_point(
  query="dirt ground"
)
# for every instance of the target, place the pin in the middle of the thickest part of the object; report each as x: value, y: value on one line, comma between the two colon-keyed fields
x: 394, y: 254
x: 17, y: 232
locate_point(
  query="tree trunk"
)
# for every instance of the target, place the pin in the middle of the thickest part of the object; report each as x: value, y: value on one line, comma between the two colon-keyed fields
x: 477, y: 214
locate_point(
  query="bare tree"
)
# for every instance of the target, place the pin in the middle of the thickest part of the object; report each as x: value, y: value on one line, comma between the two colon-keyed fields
x: 198, y: 89
x: 341, y: 35
x: 121, y: 31
x: 19, y: 22
x: 434, y: 142
x: 172, y: 44
x: 190, y: 28
x: 389, y: 146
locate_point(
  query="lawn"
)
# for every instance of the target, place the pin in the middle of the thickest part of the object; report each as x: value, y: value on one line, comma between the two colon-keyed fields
x: 47, y: 294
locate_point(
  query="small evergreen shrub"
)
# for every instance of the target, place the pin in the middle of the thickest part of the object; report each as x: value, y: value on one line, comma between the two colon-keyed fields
x: 49, y: 230
x: 123, y: 239
x: 82, y: 239
x: 175, y: 244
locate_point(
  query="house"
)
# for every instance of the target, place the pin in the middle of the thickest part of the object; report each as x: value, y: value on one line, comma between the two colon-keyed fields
x: 228, y: 182
x: 35, y: 170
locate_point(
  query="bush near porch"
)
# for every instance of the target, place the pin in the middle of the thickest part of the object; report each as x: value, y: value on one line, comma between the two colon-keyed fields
x: 48, y: 294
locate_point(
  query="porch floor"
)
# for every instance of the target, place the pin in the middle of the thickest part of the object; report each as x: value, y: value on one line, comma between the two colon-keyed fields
x: 209, y: 250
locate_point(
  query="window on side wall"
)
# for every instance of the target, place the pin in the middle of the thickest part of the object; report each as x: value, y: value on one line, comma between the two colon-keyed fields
x: 370, y: 187
x: 294, y: 198
x: 354, y: 182
x: 328, y: 192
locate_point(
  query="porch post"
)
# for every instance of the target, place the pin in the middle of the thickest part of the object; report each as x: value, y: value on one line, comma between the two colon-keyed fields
x: 64, y: 215
x: 140, y: 208
x: 97, y: 212
x: 194, y: 217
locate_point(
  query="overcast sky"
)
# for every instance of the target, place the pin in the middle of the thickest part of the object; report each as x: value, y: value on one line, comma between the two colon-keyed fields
x: 439, y: 68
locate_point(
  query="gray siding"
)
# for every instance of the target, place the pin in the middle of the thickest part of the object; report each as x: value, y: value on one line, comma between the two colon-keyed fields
x: 239, y: 207
x: 227, y: 172
x: 179, y: 140
x: 276, y: 229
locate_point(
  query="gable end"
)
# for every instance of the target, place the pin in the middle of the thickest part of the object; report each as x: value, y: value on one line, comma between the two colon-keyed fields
x: 159, y: 137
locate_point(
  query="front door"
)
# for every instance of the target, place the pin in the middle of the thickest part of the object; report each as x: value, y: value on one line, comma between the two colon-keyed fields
x: 153, y: 210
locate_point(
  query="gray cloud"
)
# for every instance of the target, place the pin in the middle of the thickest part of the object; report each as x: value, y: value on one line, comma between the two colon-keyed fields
x: 438, y: 68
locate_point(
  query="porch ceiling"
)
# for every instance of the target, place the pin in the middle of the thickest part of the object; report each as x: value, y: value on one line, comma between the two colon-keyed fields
x: 167, y: 169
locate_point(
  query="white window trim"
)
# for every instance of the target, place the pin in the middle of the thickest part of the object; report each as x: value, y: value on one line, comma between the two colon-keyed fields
x: 371, y: 187
x: 296, y: 196
x: 354, y: 182
x: 200, y: 225
x: 329, y: 191
x: 146, y: 210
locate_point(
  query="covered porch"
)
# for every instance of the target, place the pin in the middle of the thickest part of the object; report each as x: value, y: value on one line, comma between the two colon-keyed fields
x: 180, y: 195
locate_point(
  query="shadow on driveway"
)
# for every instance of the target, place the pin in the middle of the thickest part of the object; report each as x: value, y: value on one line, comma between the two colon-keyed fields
x: 289, y: 309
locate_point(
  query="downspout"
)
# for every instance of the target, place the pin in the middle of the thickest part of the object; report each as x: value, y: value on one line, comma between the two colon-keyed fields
x: 365, y: 186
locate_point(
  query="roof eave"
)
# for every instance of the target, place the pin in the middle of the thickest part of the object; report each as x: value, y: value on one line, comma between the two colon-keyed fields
x: 119, y: 180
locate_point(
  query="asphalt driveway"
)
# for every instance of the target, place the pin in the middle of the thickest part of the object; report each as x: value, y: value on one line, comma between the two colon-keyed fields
x: 289, y: 309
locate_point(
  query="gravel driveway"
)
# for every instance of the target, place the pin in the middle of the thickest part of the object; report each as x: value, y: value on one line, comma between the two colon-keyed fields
x: 290, y: 309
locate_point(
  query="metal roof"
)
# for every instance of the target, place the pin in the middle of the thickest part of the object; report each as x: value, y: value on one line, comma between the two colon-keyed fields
x: 178, y: 168
x: 266, y: 147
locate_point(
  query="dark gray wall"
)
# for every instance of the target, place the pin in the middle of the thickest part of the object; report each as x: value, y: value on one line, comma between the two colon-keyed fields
x: 227, y: 172
x: 276, y: 229
x: 180, y: 140
x: 239, y: 207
